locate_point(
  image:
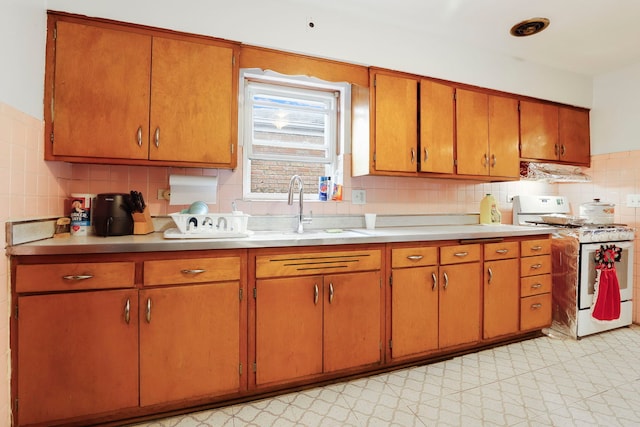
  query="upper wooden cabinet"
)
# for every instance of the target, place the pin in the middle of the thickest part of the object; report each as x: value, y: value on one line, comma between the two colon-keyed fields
x: 124, y: 95
x: 436, y: 127
x: 554, y: 133
x: 487, y: 134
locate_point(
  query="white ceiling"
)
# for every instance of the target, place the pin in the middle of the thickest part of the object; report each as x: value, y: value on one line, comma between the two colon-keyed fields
x: 588, y: 37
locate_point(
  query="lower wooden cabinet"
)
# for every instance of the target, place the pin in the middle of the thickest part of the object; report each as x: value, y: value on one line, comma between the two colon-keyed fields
x: 535, y: 283
x: 501, y: 290
x: 77, y: 355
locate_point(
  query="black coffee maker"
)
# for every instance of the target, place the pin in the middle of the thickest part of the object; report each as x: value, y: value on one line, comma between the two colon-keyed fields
x: 112, y: 214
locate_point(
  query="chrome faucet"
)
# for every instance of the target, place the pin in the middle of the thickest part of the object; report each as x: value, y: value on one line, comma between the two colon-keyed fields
x: 301, y: 219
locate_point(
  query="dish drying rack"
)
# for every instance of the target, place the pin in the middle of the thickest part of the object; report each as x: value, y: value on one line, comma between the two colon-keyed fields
x: 208, y: 226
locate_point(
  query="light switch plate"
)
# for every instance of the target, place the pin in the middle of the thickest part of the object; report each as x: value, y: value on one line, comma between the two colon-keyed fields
x: 633, y: 200
x: 358, y: 197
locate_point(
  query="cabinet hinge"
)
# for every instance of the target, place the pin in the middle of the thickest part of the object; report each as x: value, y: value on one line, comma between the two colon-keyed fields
x: 233, y: 149
x: 51, y: 137
x: 241, y: 293
x: 255, y: 367
x: 454, y: 95
x: 55, y: 33
x: 255, y: 293
x: 15, y: 405
x: 16, y: 312
x: 390, y: 343
x: 391, y: 280
x: 233, y: 60
x: 240, y: 369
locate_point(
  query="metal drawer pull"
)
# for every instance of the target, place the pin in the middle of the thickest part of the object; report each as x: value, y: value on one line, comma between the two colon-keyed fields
x: 127, y: 311
x: 493, y: 161
x: 426, y: 154
x: 434, y: 278
x: 413, y: 155
x: 156, y: 137
x: 330, y: 293
x: 502, y: 251
x: 148, y: 312
x: 415, y: 257
x: 536, y: 248
x: 315, y: 294
x: 536, y: 306
x: 461, y: 254
x: 446, y: 280
x: 490, y: 272
x: 139, y: 136
x: 77, y: 277
x: 536, y: 266
x: 536, y: 286
x: 193, y: 271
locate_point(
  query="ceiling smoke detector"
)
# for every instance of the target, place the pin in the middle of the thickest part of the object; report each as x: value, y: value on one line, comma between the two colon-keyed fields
x: 529, y: 27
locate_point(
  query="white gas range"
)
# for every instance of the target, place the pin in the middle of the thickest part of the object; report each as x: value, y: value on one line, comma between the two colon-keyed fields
x: 574, y: 247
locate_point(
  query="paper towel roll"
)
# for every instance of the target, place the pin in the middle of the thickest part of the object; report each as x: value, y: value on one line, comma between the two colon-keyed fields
x: 186, y: 189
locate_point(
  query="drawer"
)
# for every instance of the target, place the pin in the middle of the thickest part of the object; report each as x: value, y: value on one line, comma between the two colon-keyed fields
x: 535, y: 312
x: 535, y: 265
x: 459, y: 253
x: 74, y: 276
x: 414, y: 257
x: 535, y: 247
x: 534, y: 285
x: 503, y: 250
x: 191, y: 270
x: 298, y: 264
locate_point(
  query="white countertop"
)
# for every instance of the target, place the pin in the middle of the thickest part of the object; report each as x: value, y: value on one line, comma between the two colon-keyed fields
x: 263, y: 239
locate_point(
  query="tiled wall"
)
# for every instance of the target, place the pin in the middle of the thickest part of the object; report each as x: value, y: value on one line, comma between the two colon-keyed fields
x: 34, y: 188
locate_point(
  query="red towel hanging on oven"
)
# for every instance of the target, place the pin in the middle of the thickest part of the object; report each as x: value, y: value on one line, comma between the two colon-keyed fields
x: 606, y: 295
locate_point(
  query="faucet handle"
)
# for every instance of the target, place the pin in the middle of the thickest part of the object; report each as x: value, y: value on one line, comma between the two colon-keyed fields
x: 308, y: 219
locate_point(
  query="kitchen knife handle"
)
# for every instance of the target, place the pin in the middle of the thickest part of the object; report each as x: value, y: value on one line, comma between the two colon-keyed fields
x: 434, y: 279
x: 147, y: 314
x: 139, y: 136
x: 330, y: 293
x: 156, y: 137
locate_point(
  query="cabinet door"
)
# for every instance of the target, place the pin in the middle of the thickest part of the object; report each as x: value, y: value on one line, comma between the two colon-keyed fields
x: 396, y: 123
x: 575, y: 146
x: 538, y: 131
x: 352, y: 305
x: 437, y: 112
x: 501, y: 298
x: 504, y: 137
x: 472, y: 112
x: 288, y: 328
x: 191, y: 102
x: 101, y: 97
x: 189, y: 342
x: 460, y: 301
x: 414, y: 310
x: 77, y: 354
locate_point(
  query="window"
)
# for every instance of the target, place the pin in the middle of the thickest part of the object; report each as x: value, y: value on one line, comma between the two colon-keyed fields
x: 291, y: 126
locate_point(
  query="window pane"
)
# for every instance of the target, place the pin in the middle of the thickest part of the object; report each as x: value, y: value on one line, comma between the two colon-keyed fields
x: 273, y: 176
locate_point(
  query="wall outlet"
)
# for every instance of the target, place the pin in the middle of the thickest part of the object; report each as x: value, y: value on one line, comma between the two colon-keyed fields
x: 510, y: 198
x: 358, y: 197
x: 164, y: 194
x: 633, y: 200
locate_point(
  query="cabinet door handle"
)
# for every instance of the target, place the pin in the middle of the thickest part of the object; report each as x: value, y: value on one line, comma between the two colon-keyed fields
x: 434, y: 279
x: 555, y: 147
x: 490, y: 272
x: 77, y: 277
x: 493, y: 161
x: 127, y: 311
x: 330, y: 293
x: 486, y: 160
x: 413, y: 155
x: 562, y: 151
x: 147, y: 314
x: 461, y: 254
x: 502, y: 251
x: 156, y: 137
x: 536, y: 306
x: 536, y: 266
x: 139, y: 136
x: 315, y: 294
x: 193, y: 271
x: 426, y: 154
x: 446, y: 280
x: 536, y: 286
x: 536, y: 248
x: 415, y: 257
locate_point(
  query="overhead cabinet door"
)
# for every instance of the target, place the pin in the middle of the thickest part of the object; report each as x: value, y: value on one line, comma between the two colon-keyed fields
x: 101, y: 101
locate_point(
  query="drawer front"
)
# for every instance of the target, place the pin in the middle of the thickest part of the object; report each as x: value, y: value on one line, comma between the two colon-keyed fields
x: 414, y: 257
x: 535, y: 312
x: 74, y: 276
x: 535, y: 265
x: 191, y: 270
x: 297, y: 264
x: 459, y: 253
x: 503, y: 250
x: 535, y: 247
x: 534, y: 285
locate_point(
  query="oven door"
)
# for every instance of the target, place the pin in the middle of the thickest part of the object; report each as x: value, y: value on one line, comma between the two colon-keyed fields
x: 624, y: 271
